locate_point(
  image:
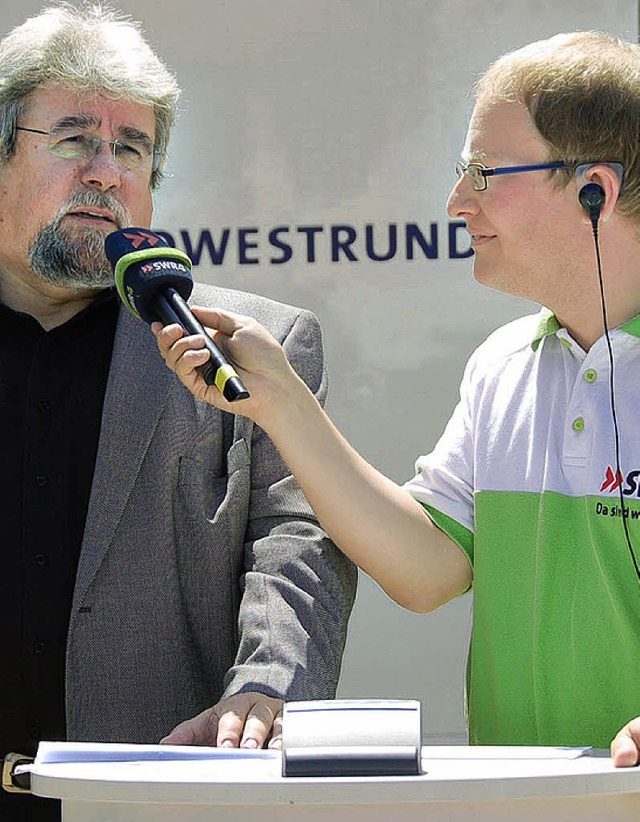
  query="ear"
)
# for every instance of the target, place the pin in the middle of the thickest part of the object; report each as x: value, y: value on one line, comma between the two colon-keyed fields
x: 606, y: 175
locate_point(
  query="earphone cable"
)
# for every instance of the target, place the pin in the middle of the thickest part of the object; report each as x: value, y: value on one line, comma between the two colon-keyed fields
x: 618, y: 471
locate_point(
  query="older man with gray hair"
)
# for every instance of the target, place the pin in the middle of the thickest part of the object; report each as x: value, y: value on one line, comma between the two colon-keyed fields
x: 163, y: 575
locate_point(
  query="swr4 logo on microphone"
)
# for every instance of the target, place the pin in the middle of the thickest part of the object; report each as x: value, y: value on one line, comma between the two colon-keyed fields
x: 163, y: 265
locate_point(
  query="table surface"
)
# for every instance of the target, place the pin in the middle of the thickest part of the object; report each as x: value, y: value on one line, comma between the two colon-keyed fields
x: 208, y: 775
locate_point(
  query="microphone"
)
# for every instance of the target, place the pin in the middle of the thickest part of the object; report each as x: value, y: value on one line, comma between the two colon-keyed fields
x: 154, y: 282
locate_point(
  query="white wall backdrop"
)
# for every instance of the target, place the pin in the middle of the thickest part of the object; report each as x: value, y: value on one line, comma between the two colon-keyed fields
x: 320, y: 118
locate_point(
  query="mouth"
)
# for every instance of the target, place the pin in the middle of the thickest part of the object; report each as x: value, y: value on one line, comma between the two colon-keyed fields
x: 478, y: 240
x: 93, y: 216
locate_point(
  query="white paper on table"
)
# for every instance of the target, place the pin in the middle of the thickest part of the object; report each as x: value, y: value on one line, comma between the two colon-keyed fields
x: 52, y: 753
x: 483, y: 752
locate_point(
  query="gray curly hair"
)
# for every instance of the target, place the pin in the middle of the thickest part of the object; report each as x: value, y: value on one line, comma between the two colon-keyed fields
x: 87, y: 48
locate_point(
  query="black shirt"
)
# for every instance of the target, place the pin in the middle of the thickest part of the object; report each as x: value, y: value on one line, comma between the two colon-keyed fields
x: 52, y: 387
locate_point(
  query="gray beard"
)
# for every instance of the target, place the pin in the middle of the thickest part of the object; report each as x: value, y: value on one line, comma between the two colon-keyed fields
x: 77, y: 262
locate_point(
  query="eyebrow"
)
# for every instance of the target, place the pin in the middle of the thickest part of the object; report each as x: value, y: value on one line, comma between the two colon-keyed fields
x: 76, y: 121
x: 477, y: 157
x: 89, y: 121
x: 135, y: 135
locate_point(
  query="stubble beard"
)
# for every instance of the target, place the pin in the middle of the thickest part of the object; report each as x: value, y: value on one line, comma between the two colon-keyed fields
x: 73, y: 256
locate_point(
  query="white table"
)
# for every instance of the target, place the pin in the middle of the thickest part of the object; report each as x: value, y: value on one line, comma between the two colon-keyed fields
x: 458, y: 783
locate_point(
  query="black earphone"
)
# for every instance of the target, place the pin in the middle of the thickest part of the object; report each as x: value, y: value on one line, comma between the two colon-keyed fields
x: 592, y: 199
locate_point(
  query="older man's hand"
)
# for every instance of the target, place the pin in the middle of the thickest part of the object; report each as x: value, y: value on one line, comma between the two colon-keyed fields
x: 247, y: 720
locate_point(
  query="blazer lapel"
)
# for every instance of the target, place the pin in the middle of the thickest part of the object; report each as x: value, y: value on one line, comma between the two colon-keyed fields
x: 137, y: 390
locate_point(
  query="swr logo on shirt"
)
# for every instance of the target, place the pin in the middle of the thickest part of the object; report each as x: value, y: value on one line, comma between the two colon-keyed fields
x: 614, y: 479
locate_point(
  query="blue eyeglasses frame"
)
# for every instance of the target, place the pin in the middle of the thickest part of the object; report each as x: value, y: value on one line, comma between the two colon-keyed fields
x: 478, y: 172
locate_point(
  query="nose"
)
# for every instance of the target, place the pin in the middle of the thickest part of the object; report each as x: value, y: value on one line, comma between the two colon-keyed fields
x: 463, y: 199
x: 102, y: 170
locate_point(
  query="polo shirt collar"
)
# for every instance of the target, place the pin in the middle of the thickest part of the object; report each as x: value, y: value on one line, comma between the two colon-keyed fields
x: 548, y: 324
x: 632, y: 327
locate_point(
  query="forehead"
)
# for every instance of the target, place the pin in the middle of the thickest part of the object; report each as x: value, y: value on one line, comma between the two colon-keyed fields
x: 501, y: 132
x: 49, y: 104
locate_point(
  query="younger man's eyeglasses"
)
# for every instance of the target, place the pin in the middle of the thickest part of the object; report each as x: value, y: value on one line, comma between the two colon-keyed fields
x: 479, y: 173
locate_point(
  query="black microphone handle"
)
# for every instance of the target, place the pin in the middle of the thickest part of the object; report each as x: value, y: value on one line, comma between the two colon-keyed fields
x: 172, y: 308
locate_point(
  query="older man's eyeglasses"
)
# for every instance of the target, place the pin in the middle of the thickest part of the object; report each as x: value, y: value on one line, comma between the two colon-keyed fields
x: 479, y: 173
x: 77, y: 144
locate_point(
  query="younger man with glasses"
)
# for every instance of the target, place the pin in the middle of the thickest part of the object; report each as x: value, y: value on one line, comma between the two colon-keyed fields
x: 159, y: 562
x: 531, y: 494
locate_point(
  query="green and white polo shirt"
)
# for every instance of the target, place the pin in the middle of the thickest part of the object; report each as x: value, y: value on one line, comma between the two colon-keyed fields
x: 524, y: 480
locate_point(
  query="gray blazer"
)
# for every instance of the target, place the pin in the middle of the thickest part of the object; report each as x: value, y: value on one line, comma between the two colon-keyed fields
x: 203, y: 571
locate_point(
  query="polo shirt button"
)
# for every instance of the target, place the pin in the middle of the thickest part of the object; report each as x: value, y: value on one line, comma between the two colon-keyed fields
x: 43, y: 405
x: 40, y: 559
x: 39, y: 647
x: 41, y: 480
x: 590, y: 375
x: 578, y: 424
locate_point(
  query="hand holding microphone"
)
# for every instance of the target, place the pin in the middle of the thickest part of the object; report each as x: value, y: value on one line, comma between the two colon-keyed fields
x: 154, y: 281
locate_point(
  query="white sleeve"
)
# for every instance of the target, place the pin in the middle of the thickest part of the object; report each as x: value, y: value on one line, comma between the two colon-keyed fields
x: 444, y: 479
